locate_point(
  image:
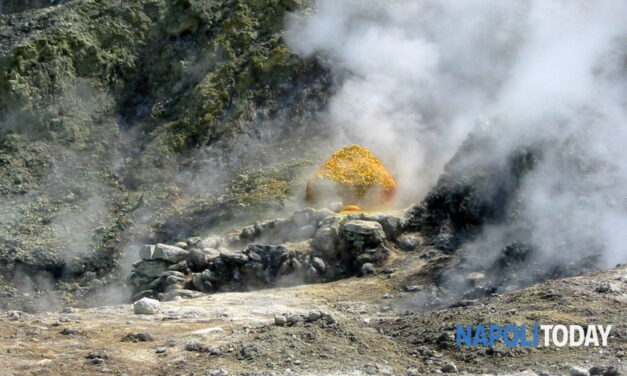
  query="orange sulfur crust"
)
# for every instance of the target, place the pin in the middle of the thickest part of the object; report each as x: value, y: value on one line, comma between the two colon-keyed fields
x: 351, y: 208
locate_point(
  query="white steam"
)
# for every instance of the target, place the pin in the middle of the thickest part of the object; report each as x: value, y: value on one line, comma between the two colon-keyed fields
x: 417, y: 77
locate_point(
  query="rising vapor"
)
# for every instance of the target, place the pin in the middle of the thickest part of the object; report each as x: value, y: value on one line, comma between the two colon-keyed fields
x: 417, y: 78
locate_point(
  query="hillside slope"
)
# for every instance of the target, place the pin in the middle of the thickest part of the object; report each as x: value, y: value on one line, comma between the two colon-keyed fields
x: 118, y: 117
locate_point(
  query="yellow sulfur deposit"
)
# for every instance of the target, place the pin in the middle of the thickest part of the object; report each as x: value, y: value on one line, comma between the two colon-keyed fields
x: 350, y: 208
x: 355, y: 176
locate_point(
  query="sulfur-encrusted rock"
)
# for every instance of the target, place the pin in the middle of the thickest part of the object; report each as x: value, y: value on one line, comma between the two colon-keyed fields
x: 353, y: 174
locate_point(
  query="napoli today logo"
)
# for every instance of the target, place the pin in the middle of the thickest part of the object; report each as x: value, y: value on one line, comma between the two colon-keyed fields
x: 532, y: 335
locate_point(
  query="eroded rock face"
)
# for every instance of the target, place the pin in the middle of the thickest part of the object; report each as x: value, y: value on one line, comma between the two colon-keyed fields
x: 311, y: 246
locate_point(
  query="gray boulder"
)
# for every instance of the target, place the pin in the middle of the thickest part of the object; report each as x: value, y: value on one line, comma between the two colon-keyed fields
x: 151, y: 268
x: 235, y: 258
x: 366, y: 269
x: 319, y: 264
x: 368, y: 232
x: 576, y: 371
x: 212, y: 241
x: 373, y: 255
x: 203, y: 281
x: 198, y: 259
x: 408, y: 243
x: 326, y: 240
x: 180, y: 267
x: 392, y: 226
x: 307, y: 232
x: 138, y: 280
x: 146, y: 252
x: 449, y: 368
x: 169, y: 253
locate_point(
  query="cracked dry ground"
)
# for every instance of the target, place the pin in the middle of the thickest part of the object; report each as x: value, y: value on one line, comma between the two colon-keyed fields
x: 375, y: 331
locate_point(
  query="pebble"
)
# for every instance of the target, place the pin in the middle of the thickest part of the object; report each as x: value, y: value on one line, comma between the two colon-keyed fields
x: 366, y: 269
x: 313, y: 316
x: 219, y: 372
x: 413, y: 288
x: 576, y: 371
x: 449, y: 368
x: 69, y: 331
x: 292, y: 319
x: 138, y: 337
x: 280, y: 320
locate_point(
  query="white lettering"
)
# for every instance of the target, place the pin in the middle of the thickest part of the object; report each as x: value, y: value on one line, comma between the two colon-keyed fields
x: 546, y: 329
x: 564, y: 340
x: 591, y: 336
x: 576, y: 331
x: 605, y: 333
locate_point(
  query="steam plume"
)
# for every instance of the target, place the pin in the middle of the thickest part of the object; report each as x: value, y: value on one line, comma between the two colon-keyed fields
x: 417, y: 77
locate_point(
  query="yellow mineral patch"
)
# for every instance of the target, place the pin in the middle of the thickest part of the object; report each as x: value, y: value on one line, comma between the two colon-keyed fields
x: 355, y: 175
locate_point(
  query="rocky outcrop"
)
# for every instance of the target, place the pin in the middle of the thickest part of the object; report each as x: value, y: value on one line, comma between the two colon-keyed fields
x: 311, y: 246
x: 472, y: 192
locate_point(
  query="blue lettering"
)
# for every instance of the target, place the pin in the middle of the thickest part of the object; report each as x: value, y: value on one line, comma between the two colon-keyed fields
x: 513, y: 340
x: 536, y: 336
x: 495, y: 333
x: 523, y: 337
x: 463, y: 334
x: 480, y: 337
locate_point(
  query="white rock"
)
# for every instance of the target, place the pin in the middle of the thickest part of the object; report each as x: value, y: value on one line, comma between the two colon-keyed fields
x: 146, y: 306
x: 336, y: 206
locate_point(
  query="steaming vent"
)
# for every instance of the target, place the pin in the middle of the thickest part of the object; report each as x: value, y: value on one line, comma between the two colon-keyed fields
x: 354, y: 176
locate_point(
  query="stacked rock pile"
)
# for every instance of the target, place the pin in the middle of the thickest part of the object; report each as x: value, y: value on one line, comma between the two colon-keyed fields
x: 311, y: 246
